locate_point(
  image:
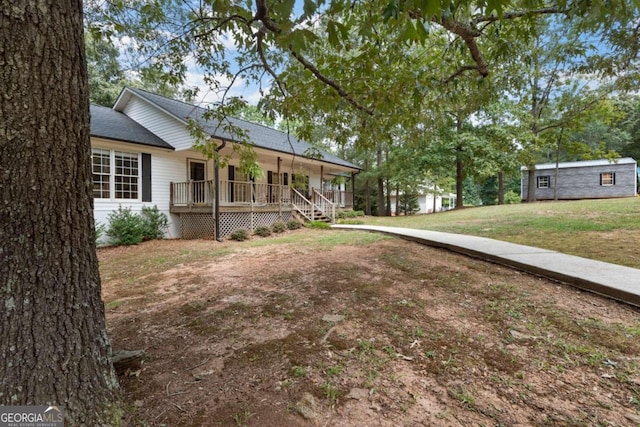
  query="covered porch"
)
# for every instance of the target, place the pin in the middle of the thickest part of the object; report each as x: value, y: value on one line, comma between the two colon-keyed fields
x: 240, y: 196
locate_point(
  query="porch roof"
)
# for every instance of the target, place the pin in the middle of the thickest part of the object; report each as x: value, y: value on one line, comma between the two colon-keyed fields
x: 260, y: 135
x: 111, y: 124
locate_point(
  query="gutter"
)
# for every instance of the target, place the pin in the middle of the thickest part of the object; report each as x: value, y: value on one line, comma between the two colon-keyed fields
x: 216, y: 176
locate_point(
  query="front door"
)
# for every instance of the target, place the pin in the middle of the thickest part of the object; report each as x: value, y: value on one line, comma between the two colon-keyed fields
x: 198, y: 176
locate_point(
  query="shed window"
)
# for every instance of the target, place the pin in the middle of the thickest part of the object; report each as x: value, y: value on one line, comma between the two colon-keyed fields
x: 543, y: 181
x: 116, y: 174
x: 608, y: 178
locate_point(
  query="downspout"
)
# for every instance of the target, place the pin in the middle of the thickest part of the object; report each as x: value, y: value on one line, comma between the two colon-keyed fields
x: 216, y: 179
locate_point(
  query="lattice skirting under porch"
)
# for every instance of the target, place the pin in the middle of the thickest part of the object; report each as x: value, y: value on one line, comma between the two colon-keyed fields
x: 197, y: 226
x: 232, y: 221
x: 202, y: 226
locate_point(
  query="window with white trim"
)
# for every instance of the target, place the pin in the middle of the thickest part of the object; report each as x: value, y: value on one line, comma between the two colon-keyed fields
x: 607, y: 178
x: 116, y: 174
x: 101, y: 170
x: 543, y: 181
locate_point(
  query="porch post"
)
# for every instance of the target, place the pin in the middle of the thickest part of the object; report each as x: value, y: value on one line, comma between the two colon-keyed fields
x: 216, y: 190
x: 279, y: 190
x: 353, y: 190
x: 322, y: 179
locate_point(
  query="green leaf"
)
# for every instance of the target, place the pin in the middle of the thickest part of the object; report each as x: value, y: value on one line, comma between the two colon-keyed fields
x: 391, y: 11
x: 333, y: 34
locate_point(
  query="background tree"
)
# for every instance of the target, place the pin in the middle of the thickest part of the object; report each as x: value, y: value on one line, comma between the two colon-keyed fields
x: 55, y: 348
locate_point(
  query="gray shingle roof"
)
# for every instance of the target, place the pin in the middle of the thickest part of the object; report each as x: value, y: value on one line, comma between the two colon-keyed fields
x: 111, y: 124
x: 260, y: 135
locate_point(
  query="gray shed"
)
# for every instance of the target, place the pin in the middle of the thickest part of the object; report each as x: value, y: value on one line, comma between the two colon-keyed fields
x: 591, y: 179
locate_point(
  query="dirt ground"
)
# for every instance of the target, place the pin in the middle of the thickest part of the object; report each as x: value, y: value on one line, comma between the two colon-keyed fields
x: 389, y: 333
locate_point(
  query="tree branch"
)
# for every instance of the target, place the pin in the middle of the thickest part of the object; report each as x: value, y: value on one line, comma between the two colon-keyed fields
x: 343, y: 94
x: 461, y: 71
x: 468, y: 34
x: 518, y: 14
x: 262, y: 15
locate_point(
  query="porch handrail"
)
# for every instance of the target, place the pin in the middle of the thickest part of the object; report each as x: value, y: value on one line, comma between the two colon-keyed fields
x: 324, y: 205
x: 339, y: 197
x: 191, y: 193
x: 253, y: 193
x: 302, y: 204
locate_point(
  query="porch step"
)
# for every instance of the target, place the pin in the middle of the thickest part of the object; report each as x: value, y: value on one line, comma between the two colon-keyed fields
x: 319, y: 216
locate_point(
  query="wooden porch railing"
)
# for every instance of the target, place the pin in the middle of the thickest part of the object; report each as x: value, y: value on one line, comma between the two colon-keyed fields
x: 231, y: 192
x: 191, y: 193
x: 302, y: 204
x: 201, y: 193
x: 323, y: 204
x: 247, y: 192
x: 342, y: 199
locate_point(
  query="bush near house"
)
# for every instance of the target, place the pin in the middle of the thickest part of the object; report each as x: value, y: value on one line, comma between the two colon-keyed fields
x: 128, y: 228
x: 292, y: 224
x: 239, y: 235
x: 262, y: 231
x: 279, y: 227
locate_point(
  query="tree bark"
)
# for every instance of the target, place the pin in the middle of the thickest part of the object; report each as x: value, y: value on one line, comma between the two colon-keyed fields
x: 500, y: 188
x: 531, y: 185
x: 54, y: 348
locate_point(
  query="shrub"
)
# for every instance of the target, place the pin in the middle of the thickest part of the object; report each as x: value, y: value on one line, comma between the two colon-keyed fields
x: 262, y: 231
x: 100, y: 230
x: 511, y: 197
x: 239, y: 235
x: 125, y: 227
x: 319, y: 224
x: 359, y: 213
x: 278, y: 227
x: 155, y: 223
x: 293, y: 224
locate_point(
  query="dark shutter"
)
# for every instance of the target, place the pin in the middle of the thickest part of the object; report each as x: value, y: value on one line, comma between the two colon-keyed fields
x: 232, y: 177
x: 146, y: 177
x: 285, y: 179
x: 269, y: 177
x: 614, y: 178
x: 600, y: 179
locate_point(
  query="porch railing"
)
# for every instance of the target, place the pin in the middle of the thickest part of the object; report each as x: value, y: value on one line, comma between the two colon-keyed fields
x: 192, y: 193
x: 343, y: 199
x: 198, y: 193
x: 302, y: 204
x: 247, y: 192
x: 323, y: 204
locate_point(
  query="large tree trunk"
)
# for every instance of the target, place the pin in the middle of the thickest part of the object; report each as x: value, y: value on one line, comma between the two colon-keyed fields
x: 531, y: 185
x: 54, y: 348
x: 500, y: 188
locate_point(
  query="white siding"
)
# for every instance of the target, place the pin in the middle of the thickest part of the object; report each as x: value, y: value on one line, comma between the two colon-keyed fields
x: 166, y: 167
x: 424, y: 200
x: 157, y: 121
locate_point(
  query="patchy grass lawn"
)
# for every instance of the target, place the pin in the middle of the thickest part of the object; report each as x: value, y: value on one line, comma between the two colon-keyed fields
x: 345, y: 328
x: 606, y: 230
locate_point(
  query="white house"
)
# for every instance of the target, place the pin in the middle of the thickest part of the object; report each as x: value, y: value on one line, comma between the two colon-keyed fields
x: 143, y: 155
x: 443, y: 201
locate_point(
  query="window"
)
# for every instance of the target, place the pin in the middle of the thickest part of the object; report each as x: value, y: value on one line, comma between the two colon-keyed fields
x: 120, y: 181
x: 608, y: 178
x: 101, y: 169
x: 543, y: 181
